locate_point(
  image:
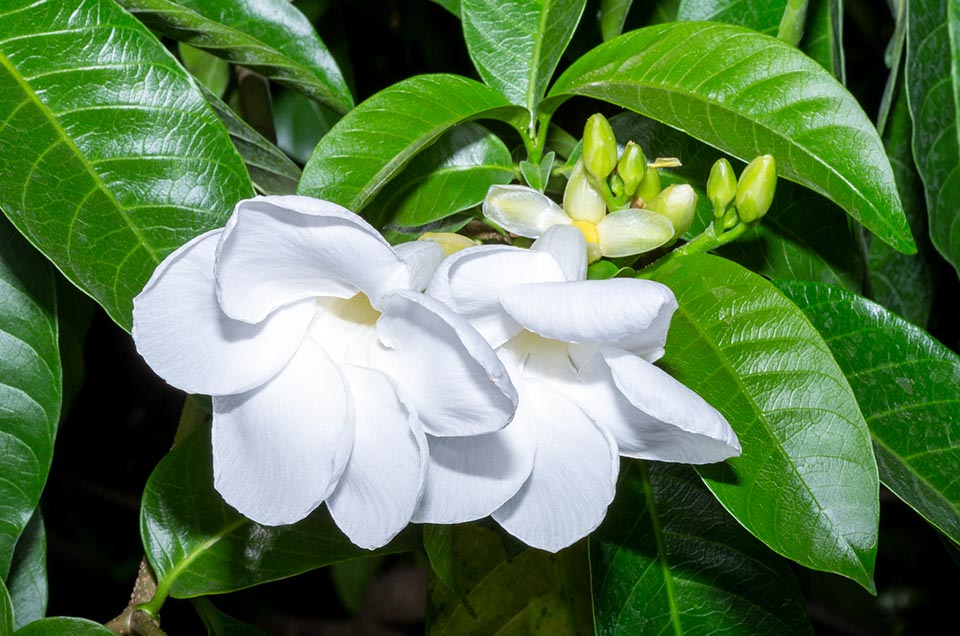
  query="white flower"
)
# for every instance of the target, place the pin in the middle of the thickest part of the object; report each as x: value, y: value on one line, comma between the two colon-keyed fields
x: 580, y: 353
x: 325, y: 361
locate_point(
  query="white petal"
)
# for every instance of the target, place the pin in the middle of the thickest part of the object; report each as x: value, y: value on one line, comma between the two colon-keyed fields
x: 470, y: 282
x: 522, y: 210
x: 633, y: 314
x: 567, y: 245
x: 185, y: 338
x: 422, y: 257
x: 279, y: 450
x: 573, y: 480
x: 454, y: 378
x: 668, y: 421
x: 582, y: 201
x: 470, y: 477
x: 277, y: 250
x: 629, y: 232
x: 378, y: 492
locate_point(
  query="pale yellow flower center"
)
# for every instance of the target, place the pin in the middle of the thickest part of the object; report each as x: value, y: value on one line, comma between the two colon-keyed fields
x: 589, y: 231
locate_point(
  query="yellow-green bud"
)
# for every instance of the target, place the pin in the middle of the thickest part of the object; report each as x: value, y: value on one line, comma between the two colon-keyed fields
x: 617, y: 186
x: 582, y: 201
x: 632, y: 167
x: 678, y: 203
x: 649, y: 186
x: 599, y: 147
x: 758, y: 182
x: 721, y: 186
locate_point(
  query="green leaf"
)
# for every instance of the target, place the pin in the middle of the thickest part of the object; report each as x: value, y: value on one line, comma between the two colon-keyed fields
x: 271, y: 170
x: 803, y: 236
x: 903, y: 283
x: 453, y: 6
x: 27, y: 582
x: 908, y: 387
x: 823, y: 40
x: 111, y: 158
x: 531, y: 593
x: 450, y: 176
x: 669, y: 559
x: 74, y: 313
x: 806, y: 483
x: 613, y: 15
x: 270, y: 37
x: 212, y: 72
x: 300, y: 123
x: 375, y: 140
x: 718, y: 83
x: 6, y: 612
x: 61, y: 626
x: 221, y: 624
x: 516, y: 44
x: 933, y: 81
x: 30, y: 384
x: 537, y: 175
x: 352, y: 578
x: 760, y: 15
x: 199, y: 545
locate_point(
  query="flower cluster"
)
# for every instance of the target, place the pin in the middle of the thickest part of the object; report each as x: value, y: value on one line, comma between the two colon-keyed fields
x: 400, y: 384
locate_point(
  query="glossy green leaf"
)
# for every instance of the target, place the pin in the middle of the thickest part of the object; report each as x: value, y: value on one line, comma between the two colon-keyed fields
x: 271, y: 37
x: 669, y: 559
x: 198, y: 545
x: 221, y: 624
x: 908, y: 387
x: 760, y: 15
x: 6, y: 612
x: 375, y: 140
x: 30, y: 383
x: 61, y: 626
x: 74, y: 313
x: 27, y: 581
x: 532, y: 593
x: 893, y: 58
x: 823, y: 40
x: 450, y: 176
x: 270, y: 169
x: 803, y: 236
x: 300, y: 122
x: 717, y: 82
x: 613, y: 15
x: 111, y: 158
x: 903, y: 283
x: 933, y: 80
x: 453, y: 6
x: 516, y: 44
x: 806, y: 483
x: 212, y: 72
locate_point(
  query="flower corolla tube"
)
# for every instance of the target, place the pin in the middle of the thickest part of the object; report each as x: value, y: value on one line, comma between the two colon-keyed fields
x: 326, y: 363
x: 580, y: 353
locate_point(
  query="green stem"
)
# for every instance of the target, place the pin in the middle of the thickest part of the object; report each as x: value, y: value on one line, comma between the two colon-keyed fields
x: 792, y: 23
x: 706, y: 241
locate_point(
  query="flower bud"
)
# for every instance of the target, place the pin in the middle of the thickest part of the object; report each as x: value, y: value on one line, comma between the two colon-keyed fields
x: 448, y: 241
x: 631, y: 167
x: 599, y: 147
x: 581, y: 200
x: 721, y: 186
x: 649, y: 186
x: 758, y: 182
x: 678, y: 203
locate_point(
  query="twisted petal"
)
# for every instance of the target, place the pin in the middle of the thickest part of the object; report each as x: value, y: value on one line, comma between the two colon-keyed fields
x: 567, y: 245
x: 277, y: 250
x: 452, y: 375
x: 522, y: 210
x: 471, y: 281
x: 629, y: 313
x: 185, y: 338
x: 470, y: 477
x: 422, y: 257
x: 279, y: 450
x: 378, y: 491
x: 628, y: 232
x: 573, y: 479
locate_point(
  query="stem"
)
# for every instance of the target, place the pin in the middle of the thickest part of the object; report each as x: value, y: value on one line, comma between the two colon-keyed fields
x: 791, y: 25
x: 705, y: 242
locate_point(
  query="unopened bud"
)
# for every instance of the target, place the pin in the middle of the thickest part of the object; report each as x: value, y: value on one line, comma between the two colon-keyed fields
x: 649, y: 186
x: 721, y: 186
x: 758, y: 182
x: 678, y: 203
x: 581, y: 200
x: 599, y: 147
x: 631, y: 167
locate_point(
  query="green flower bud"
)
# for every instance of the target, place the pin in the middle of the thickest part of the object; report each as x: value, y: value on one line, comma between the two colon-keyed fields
x: 649, y: 186
x: 632, y: 167
x: 617, y: 187
x: 758, y: 182
x: 599, y: 147
x: 581, y: 200
x: 679, y: 204
x: 721, y: 186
